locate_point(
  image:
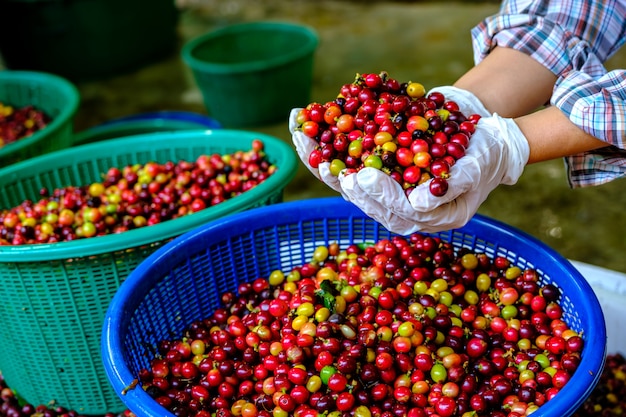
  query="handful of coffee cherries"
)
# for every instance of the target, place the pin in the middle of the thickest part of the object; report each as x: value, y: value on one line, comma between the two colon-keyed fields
x: 377, y: 121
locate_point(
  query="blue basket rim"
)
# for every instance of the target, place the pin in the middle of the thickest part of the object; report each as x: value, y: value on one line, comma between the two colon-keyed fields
x: 167, y: 115
x: 587, y: 375
x: 137, y: 124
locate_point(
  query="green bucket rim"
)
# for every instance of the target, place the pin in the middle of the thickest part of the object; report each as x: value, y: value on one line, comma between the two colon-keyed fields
x: 65, y: 87
x: 188, y: 49
x: 276, y: 149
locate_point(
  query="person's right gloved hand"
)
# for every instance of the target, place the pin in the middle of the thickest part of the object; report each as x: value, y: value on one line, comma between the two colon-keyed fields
x: 497, y: 154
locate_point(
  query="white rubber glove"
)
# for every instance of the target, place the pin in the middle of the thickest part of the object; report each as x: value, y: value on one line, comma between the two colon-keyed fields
x: 304, y: 146
x: 497, y: 154
x: 468, y: 102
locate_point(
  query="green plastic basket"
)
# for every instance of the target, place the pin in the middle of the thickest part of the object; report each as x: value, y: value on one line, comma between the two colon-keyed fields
x: 54, y: 296
x: 253, y: 73
x: 55, y: 96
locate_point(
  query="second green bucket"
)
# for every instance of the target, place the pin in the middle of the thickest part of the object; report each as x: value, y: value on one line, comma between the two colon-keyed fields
x: 252, y: 74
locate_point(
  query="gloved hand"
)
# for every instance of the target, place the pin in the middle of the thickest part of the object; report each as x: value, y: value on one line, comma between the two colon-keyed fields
x: 497, y: 154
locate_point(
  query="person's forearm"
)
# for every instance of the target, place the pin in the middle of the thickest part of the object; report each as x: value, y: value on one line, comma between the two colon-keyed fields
x: 512, y: 84
x: 509, y: 82
x: 552, y: 135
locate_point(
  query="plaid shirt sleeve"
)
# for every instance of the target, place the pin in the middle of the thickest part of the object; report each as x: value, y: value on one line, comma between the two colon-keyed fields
x: 573, y: 39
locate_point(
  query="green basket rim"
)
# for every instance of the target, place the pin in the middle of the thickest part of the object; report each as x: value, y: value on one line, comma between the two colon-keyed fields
x: 278, y: 150
x: 65, y: 87
x: 307, y: 48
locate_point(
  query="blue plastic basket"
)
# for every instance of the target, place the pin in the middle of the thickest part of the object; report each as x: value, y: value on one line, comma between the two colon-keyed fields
x: 183, y: 281
x: 136, y: 124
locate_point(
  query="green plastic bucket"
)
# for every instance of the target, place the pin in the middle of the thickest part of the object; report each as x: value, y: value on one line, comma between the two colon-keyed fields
x: 86, y: 39
x: 253, y: 73
x: 54, y: 296
x: 55, y: 96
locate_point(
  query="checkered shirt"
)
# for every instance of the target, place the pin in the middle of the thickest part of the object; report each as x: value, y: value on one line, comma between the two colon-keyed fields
x: 573, y: 39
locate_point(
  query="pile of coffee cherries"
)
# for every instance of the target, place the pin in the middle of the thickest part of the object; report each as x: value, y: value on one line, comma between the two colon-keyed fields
x: 406, y: 326
x: 13, y: 406
x: 608, y: 398
x: 21, y: 122
x: 134, y: 196
x: 378, y: 122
